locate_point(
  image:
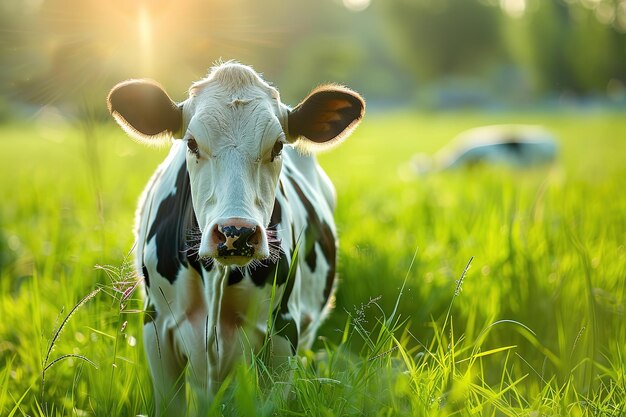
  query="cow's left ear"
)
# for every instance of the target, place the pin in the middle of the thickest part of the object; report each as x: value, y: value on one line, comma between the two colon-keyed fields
x: 144, y: 110
x: 328, y: 115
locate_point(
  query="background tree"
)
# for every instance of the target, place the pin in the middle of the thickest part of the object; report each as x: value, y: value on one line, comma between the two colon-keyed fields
x: 566, y: 47
x: 437, y: 38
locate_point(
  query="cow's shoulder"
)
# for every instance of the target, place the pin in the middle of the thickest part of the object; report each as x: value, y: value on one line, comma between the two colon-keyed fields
x: 309, y: 175
x: 166, y: 222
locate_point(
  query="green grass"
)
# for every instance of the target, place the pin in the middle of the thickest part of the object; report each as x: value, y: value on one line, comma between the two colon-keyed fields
x: 534, y: 328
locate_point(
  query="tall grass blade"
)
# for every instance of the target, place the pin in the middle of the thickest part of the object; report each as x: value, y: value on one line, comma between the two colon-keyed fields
x: 17, y: 404
x: 56, y: 335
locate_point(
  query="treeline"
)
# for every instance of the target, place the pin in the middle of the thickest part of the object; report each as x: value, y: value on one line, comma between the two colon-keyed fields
x: 69, y: 52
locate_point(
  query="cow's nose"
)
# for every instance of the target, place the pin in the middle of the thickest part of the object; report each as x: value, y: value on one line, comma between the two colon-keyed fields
x: 236, y: 237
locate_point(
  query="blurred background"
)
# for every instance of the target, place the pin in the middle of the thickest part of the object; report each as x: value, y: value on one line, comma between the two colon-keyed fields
x: 548, y: 244
x: 431, y: 54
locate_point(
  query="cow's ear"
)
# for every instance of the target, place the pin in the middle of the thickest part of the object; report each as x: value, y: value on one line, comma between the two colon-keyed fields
x: 144, y: 110
x: 328, y: 115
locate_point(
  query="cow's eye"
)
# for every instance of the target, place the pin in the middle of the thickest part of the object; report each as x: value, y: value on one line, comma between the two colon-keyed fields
x: 276, y: 150
x: 192, y: 145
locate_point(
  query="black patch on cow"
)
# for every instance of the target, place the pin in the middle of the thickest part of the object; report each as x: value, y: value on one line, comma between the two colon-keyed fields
x: 265, y: 272
x: 144, y: 272
x: 311, y: 258
x: 318, y: 232
x: 277, y: 215
x: 235, y: 276
x: 191, y: 248
x: 170, y: 229
x: 191, y: 242
x: 513, y: 146
x: 329, y: 248
x: 284, y: 324
x: 199, y: 264
x: 149, y: 314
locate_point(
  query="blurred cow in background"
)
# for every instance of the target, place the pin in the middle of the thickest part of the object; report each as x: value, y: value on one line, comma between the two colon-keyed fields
x: 519, y: 146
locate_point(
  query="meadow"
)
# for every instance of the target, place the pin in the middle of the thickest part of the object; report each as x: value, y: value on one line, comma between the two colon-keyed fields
x: 490, y: 291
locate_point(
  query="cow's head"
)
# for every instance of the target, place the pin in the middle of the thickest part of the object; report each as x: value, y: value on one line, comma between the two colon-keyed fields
x: 235, y: 127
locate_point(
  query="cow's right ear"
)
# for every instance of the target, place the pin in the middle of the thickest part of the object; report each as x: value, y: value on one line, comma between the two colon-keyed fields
x: 144, y: 110
x: 327, y: 116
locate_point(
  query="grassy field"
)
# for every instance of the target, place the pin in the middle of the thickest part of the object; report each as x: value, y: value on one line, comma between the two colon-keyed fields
x: 535, y: 327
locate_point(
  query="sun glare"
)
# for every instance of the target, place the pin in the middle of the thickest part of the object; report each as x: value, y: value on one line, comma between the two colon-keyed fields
x: 144, y: 32
x: 514, y: 8
x: 356, y: 5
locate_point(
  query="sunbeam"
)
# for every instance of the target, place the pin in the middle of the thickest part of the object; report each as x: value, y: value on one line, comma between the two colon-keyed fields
x: 144, y: 31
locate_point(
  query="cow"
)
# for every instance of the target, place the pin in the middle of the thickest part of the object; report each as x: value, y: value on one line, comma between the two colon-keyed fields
x: 235, y: 238
x: 517, y: 146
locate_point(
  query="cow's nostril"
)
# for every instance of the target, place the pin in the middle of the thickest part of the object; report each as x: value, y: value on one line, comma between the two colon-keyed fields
x: 217, y: 236
x: 255, y: 238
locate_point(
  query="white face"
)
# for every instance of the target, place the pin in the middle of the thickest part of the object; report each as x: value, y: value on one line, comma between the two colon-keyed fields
x: 234, y: 161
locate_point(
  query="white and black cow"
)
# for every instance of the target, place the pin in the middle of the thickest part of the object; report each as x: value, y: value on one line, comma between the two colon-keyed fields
x: 220, y: 221
x: 517, y: 146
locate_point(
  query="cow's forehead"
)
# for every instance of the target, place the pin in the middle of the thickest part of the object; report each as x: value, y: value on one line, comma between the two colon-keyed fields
x: 236, y: 123
x: 234, y: 100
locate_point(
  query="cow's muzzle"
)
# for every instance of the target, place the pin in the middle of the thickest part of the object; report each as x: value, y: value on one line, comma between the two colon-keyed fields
x: 236, y: 241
